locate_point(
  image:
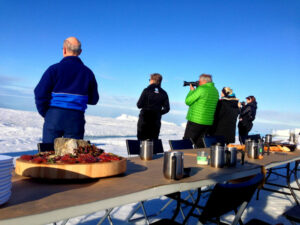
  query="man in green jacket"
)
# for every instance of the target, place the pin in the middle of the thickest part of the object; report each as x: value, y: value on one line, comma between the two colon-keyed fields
x: 202, y: 103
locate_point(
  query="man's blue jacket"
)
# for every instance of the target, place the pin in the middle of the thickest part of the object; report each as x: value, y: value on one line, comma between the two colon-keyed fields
x: 68, y: 84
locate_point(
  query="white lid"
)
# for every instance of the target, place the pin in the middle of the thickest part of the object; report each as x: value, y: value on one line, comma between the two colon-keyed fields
x: 4, y: 160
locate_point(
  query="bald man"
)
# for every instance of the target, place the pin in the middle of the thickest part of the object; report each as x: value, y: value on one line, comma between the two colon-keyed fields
x: 63, y: 93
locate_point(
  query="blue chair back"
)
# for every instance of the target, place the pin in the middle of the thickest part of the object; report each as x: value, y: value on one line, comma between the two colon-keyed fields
x: 181, y: 144
x: 212, y: 140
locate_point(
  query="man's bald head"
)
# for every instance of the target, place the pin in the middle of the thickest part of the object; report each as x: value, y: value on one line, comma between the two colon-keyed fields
x: 72, y: 47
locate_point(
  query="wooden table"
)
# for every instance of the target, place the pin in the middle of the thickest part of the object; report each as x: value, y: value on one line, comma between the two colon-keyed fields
x: 40, y: 202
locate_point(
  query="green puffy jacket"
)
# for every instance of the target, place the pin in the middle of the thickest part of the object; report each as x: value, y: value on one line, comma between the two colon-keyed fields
x: 202, y: 104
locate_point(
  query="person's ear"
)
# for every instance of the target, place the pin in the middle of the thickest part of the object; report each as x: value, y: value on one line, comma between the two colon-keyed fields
x: 64, y: 51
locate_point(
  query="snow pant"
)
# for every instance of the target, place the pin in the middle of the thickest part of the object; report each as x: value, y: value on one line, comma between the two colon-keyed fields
x: 148, y: 126
x: 196, y: 132
x: 244, y: 129
x: 65, y: 123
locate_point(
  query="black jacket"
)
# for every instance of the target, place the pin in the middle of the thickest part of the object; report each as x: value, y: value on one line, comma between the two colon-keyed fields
x: 225, y: 119
x: 248, y: 113
x: 154, y: 102
x: 154, y: 99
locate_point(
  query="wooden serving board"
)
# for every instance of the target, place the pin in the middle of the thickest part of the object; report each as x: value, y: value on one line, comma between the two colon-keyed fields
x: 70, y: 171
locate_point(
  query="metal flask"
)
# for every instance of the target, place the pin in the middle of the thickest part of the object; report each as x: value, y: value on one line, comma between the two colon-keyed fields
x: 254, y: 149
x: 233, y: 156
x: 292, y: 138
x: 261, y: 147
x: 146, y: 151
x: 268, y: 138
x: 219, y: 157
x: 173, y: 165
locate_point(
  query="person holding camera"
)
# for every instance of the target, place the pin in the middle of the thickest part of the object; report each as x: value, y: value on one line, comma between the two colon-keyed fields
x: 62, y: 94
x: 153, y: 102
x: 226, y: 115
x: 202, y: 102
x: 247, y: 116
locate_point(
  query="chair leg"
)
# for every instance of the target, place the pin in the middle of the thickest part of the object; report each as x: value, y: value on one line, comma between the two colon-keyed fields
x: 164, y: 207
x: 141, y: 205
x: 106, y: 215
x: 191, y: 195
x: 133, y: 212
x: 239, y: 213
x: 288, y: 181
x: 295, y: 174
x: 144, y: 211
x: 193, y: 207
x: 65, y: 222
x: 266, y: 179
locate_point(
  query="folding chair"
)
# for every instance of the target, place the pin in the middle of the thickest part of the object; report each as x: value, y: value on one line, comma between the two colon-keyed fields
x: 133, y: 148
x: 212, y: 140
x: 225, y: 198
x: 181, y: 144
x: 230, y: 197
x: 293, y: 214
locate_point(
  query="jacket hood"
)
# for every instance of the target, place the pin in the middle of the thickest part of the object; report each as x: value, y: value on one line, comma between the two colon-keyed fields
x: 229, y: 98
x: 232, y: 102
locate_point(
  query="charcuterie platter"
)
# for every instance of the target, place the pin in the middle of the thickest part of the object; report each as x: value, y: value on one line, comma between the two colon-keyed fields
x: 85, y: 162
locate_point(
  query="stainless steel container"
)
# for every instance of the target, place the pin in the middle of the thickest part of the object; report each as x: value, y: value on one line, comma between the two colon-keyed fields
x: 292, y: 138
x: 233, y: 156
x: 173, y: 165
x: 146, y: 151
x: 219, y: 157
x: 261, y: 147
x: 268, y: 138
x: 254, y: 150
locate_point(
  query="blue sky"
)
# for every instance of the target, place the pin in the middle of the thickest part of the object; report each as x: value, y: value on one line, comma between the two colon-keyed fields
x: 252, y: 46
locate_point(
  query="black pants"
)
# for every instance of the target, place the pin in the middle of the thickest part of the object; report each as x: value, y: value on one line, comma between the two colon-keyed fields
x: 244, y: 129
x: 148, y: 126
x: 196, y: 132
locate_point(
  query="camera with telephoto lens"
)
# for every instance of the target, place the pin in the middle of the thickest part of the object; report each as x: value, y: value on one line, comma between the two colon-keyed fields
x: 195, y: 84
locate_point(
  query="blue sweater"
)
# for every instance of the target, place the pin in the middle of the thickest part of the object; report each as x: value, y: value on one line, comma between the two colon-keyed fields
x: 68, y: 84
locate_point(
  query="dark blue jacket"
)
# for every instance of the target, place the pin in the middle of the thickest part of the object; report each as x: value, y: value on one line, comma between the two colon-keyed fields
x: 68, y: 84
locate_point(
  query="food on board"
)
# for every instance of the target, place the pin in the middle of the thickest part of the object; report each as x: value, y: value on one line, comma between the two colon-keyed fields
x: 238, y: 147
x: 87, y: 154
x: 278, y: 148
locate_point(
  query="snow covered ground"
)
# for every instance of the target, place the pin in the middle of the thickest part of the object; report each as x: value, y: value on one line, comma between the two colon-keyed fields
x: 20, y: 131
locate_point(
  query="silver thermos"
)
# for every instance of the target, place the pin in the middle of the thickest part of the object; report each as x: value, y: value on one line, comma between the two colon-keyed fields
x: 173, y: 165
x: 268, y: 141
x: 268, y: 138
x: 146, y: 150
x: 254, y: 149
x: 292, y: 138
x: 233, y: 156
x: 219, y: 157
